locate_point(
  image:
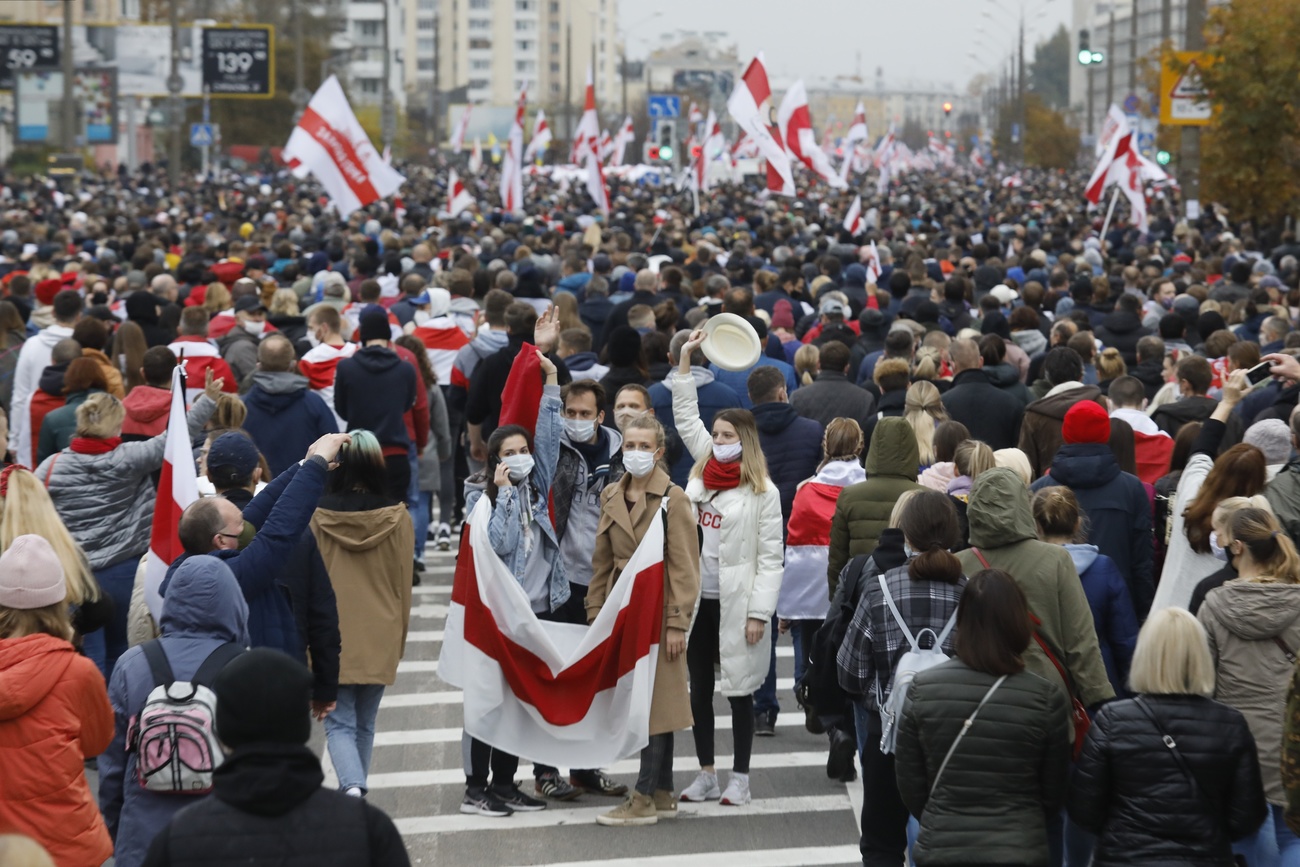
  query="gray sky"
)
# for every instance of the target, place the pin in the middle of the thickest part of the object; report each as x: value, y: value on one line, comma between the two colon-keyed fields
x: 913, y: 40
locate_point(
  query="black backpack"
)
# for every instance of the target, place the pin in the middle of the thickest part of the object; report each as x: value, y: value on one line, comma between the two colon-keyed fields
x: 819, y: 692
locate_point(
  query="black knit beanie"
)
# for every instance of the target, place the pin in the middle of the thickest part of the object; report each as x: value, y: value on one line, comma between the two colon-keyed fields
x: 263, y: 695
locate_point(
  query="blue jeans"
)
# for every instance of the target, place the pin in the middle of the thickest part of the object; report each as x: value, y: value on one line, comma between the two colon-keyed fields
x: 350, y: 731
x: 1273, y: 845
x: 420, y: 517
x: 116, y: 581
x: 765, y: 696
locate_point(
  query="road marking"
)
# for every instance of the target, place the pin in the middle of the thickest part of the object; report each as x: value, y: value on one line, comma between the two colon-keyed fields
x: 815, y: 855
x: 407, y: 737
x: 418, y: 699
x: 424, y: 636
x: 554, y: 815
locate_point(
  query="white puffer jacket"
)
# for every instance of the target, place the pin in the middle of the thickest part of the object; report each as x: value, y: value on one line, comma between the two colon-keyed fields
x: 750, y: 559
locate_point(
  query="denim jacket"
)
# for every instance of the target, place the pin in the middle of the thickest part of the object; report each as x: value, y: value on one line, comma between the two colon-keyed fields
x: 505, y: 528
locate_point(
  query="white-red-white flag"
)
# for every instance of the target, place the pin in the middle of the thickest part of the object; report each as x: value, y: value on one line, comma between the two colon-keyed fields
x: 462, y: 127
x: 625, y: 136
x: 1114, y: 126
x: 750, y: 106
x: 178, y: 486
x: 856, y: 135
x: 554, y: 693
x: 328, y: 142
x: 512, y: 164
x: 606, y: 149
x: 541, y: 139
x: 588, y: 133
x: 872, y: 263
x: 1116, y: 148
x: 476, y: 157
x: 795, y: 123
x: 459, y: 199
x: 853, y: 222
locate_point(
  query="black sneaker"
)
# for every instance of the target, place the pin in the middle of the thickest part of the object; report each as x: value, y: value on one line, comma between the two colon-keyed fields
x: 597, y: 783
x: 840, y: 759
x: 482, y: 802
x: 765, y: 724
x: 516, y: 800
x: 553, y: 787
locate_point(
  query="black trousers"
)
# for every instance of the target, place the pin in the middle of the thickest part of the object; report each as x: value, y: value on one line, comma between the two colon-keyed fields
x: 884, y: 817
x: 482, y: 759
x: 398, y: 470
x: 701, y: 655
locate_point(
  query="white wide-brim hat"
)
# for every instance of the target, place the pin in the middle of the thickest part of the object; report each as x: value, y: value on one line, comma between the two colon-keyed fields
x: 730, y: 342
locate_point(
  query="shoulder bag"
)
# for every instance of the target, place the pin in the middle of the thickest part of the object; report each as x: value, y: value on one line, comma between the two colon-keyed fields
x: 965, y: 727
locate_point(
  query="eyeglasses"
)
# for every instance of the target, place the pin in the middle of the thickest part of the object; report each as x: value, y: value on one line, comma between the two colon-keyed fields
x: 230, y: 535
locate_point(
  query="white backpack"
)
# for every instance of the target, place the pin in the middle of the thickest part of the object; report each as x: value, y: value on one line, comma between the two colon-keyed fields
x: 916, y: 660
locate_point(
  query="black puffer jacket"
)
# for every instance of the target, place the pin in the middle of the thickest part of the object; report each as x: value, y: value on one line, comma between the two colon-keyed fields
x: 1129, y: 790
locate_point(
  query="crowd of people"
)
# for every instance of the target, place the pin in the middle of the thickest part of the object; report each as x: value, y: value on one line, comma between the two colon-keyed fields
x: 1021, y: 493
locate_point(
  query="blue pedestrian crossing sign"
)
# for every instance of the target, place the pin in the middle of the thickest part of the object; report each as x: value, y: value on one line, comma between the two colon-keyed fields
x: 201, y: 135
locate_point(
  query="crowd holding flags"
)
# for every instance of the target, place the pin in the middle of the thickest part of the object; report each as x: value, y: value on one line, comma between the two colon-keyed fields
x: 795, y: 122
x: 626, y: 135
x: 1122, y: 165
x: 512, y: 167
x: 854, y: 140
x: 541, y: 139
x: 587, y: 140
x: 750, y: 106
x: 458, y: 134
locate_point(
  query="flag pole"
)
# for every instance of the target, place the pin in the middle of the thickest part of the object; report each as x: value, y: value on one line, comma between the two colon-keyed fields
x: 1109, y: 213
x: 695, y: 194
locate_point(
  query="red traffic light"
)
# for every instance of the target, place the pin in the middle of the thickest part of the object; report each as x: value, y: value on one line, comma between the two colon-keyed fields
x: 696, y: 150
x: 652, y: 152
x: 947, y: 108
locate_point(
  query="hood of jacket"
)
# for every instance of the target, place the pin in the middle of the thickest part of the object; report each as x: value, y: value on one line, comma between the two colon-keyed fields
x: 488, y: 341
x: 52, y: 335
x: 359, y: 530
x: 30, y: 667
x: 51, y: 381
x: 268, y: 779
x: 840, y: 474
x: 1082, y: 555
x: 774, y: 417
x: 702, y: 376
x: 1121, y: 322
x: 1002, y: 374
x: 1030, y: 340
x: 204, y: 600
x: 1254, y: 611
x: 147, y: 403
x: 280, y: 382
x: 1192, y: 408
x: 998, y: 509
x: 376, y: 359
x: 1057, y: 405
x: 893, y: 451
x: 581, y: 361
x: 1085, y: 465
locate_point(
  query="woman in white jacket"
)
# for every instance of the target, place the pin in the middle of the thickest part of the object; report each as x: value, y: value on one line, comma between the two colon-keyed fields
x: 739, y: 513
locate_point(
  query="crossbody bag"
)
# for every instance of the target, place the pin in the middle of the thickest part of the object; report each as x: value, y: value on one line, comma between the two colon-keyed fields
x: 965, y: 727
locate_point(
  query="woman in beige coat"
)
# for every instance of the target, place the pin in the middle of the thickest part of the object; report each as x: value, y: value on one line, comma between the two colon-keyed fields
x: 626, y: 510
x: 1253, y: 626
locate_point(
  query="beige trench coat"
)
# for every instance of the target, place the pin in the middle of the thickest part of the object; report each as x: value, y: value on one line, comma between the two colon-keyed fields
x: 617, y: 536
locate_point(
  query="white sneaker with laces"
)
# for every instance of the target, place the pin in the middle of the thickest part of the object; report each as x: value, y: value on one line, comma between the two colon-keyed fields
x: 704, y: 788
x: 737, y: 793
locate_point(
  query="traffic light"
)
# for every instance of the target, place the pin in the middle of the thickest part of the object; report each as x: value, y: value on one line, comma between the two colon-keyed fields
x: 665, y: 138
x: 1085, y: 50
x: 1163, y: 157
x: 652, y: 153
x: 947, y: 108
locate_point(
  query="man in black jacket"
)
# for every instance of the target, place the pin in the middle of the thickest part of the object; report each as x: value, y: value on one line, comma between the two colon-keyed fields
x: 831, y: 395
x: 989, y: 413
x: 1122, y: 328
x: 268, y: 806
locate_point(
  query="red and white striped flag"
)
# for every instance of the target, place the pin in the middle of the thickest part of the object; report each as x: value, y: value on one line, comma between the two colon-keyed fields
x: 512, y: 167
x: 555, y: 693
x: 853, y: 222
x: 857, y: 133
x: 476, y: 157
x: 458, y: 134
x: 541, y: 139
x: 328, y: 142
x: 795, y: 122
x: 178, y: 486
x: 606, y: 149
x: 587, y: 140
x: 622, y: 139
x: 458, y: 198
x: 750, y: 106
x: 874, y: 269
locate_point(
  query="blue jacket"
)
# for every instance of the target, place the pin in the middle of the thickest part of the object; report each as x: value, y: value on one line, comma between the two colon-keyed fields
x: 714, y: 397
x: 204, y: 611
x: 738, y: 380
x: 1118, y: 510
x: 505, y: 527
x: 280, y: 514
x: 285, y: 417
x: 792, y: 445
x: 1113, y: 616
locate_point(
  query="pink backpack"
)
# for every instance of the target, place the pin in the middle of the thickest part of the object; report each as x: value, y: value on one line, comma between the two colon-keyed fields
x: 174, y: 736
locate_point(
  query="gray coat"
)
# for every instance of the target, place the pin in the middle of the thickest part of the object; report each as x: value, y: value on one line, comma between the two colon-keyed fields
x: 106, y: 501
x: 830, y: 396
x: 438, y: 448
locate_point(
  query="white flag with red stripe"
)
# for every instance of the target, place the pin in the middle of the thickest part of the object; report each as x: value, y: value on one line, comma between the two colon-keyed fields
x: 622, y: 139
x: 874, y: 270
x: 328, y: 142
x: 512, y: 166
x: 476, y: 157
x: 750, y: 106
x: 795, y: 123
x: 462, y: 127
x: 458, y: 198
x: 178, y: 486
x: 856, y: 135
x: 587, y: 142
x: 541, y: 139
x: 853, y: 221
x: 555, y: 693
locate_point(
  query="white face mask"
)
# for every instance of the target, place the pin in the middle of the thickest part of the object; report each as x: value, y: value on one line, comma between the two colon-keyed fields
x: 623, y: 416
x: 1219, y: 552
x: 727, y: 453
x: 521, y: 466
x: 579, y: 430
x: 421, y: 317
x: 639, y: 464
x: 312, y: 340
x: 254, y: 327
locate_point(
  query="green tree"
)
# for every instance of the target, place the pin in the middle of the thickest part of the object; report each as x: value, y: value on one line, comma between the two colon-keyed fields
x: 1250, y: 152
x: 1049, y: 72
x: 1050, y: 141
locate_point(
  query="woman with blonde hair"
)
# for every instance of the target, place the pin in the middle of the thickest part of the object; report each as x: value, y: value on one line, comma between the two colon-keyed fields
x: 1220, y: 539
x: 216, y: 299
x: 1253, y: 627
x: 566, y: 304
x: 1169, y: 776
x: 1110, y: 366
x: 738, y: 509
x: 807, y: 360
x: 928, y: 365
x: 924, y: 410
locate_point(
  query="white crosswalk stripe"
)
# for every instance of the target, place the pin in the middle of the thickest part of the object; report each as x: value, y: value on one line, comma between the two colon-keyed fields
x: 797, y: 816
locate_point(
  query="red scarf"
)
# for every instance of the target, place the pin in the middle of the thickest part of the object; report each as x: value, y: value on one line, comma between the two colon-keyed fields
x: 94, y: 445
x: 718, y: 476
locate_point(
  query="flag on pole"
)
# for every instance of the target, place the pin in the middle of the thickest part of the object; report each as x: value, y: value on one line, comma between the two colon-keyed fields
x: 856, y: 135
x: 874, y: 270
x: 476, y: 157
x: 606, y: 149
x: 541, y: 139
x: 556, y: 693
x: 462, y: 127
x: 750, y: 105
x: 622, y: 139
x: 178, y: 486
x: 458, y: 198
x: 588, y: 134
x: 329, y: 143
x: 853, y: 222
x: 1114, y: 126
x: 1116, y: 148
x: 512, y: 167
x: 795, y: 123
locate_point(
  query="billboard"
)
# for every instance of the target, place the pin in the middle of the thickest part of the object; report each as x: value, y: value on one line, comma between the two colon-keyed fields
x: 239, y: 61
x: 27, y: 46
x: 39, y: 100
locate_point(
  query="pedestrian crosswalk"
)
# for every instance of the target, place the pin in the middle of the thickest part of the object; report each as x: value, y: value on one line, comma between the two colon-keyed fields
x: 797, y: 816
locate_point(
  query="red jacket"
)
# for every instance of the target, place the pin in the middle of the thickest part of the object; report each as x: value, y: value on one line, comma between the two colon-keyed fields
x: 54, y: 714
x: 43, y: 403
x: 146, y: 411
x: 417, y: 418
x: 199, y: 355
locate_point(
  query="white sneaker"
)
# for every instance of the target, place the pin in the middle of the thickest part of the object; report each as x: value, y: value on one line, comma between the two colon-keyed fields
x: 705, y: 788
x: 354, y: 791
x: 443, y: 539
x: 737, y: 793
